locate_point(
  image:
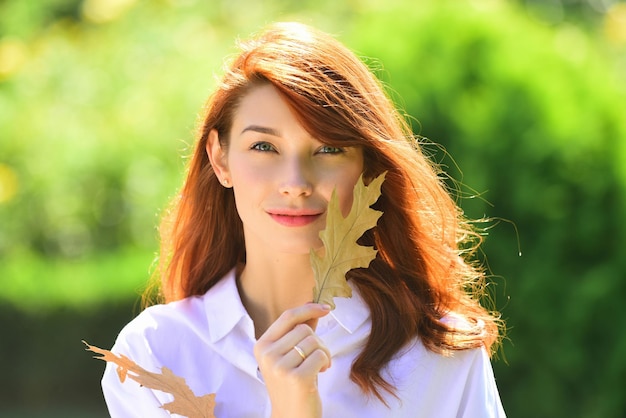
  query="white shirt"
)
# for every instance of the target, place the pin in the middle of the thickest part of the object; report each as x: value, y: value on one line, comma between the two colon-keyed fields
x: 208, y: 340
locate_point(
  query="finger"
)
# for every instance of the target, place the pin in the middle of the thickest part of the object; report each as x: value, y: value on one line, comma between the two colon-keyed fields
x: 292, y: 317
x: 292, y: 338
x: 309, y: 345
x: 284, y: 353
x: 316, y: 362
x: 315, y: 358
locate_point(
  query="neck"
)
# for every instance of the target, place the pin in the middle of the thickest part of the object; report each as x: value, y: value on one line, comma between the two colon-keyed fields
x: 269, y: 286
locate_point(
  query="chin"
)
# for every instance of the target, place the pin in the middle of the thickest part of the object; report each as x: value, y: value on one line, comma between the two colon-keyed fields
x: 302, y: 248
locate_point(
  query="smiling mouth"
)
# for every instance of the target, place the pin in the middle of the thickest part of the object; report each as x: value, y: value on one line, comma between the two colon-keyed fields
x: 295, y: 220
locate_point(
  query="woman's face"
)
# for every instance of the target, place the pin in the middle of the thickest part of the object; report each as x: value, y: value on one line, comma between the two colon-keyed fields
x: 282, y: 177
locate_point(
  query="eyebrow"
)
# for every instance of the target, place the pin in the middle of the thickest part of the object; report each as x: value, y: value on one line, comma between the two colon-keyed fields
x: 261, y: 129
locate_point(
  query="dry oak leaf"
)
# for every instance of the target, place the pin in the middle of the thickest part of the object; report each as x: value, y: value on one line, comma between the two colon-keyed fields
x: 185, y: 402
x: 341, y: 251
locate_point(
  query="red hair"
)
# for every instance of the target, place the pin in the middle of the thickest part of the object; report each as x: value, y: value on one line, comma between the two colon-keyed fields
x: 422, y: 272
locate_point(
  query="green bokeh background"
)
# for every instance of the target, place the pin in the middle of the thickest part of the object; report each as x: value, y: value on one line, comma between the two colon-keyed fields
x: 98, y: 107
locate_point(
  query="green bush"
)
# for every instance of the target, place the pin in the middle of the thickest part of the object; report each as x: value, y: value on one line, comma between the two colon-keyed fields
x: 93, y: 128
x: 96, y: 111
x: 533, y: 119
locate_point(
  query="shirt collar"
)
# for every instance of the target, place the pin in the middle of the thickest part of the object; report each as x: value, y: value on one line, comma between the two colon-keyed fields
x: 352, y: 312
x: 225, y: 310
x: 223, y: 306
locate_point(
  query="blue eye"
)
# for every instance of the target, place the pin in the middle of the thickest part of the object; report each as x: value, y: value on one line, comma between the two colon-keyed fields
x: 262, y: 146
x: 327, y: 149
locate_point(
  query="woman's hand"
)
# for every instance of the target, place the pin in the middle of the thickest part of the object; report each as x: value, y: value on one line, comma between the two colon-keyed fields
x: 290, y: 373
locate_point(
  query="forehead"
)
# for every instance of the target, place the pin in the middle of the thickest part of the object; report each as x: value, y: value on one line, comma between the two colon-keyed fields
x: 264, y: 106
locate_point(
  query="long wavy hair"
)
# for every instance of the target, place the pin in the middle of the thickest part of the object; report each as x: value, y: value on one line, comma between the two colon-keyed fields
x: 423, y: 271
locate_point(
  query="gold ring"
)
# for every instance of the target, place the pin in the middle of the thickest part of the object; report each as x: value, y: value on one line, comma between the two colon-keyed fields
x: 299, y: 351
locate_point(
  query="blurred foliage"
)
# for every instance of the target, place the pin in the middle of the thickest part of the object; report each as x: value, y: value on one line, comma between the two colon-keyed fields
x: 533, y: 120
x: 99, y: 99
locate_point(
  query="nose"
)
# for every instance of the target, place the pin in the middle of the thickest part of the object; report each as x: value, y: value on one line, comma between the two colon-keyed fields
x: 296, y: 179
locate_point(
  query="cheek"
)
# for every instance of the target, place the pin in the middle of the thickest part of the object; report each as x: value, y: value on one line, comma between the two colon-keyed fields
x: 245, y: 187
x: 248, y: 175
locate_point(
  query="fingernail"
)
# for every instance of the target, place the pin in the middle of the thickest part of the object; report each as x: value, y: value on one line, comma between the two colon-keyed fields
x: 325, y: 307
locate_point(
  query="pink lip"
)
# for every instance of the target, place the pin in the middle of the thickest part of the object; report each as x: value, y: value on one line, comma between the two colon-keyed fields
x: 294, y: 217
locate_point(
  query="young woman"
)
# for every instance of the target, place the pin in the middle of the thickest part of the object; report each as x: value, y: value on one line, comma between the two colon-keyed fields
x: 295, y: 117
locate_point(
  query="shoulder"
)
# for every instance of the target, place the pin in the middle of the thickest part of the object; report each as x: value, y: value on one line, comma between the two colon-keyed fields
x: 443, y: 385
x: 459, y: 322
x: 157, y: 328
x: 452, y: 366
x: 415, y: 355
x: 165, y: 316
x: 163, y: 327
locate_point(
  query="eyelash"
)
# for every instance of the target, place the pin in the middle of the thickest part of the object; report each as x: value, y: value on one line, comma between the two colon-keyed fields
x: 335, y: 150
x: 257, y: 147
x: 267, y: 147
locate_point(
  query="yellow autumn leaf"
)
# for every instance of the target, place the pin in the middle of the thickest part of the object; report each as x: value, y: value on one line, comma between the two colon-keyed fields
x: 341, y: 251
x: 185, y: 402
